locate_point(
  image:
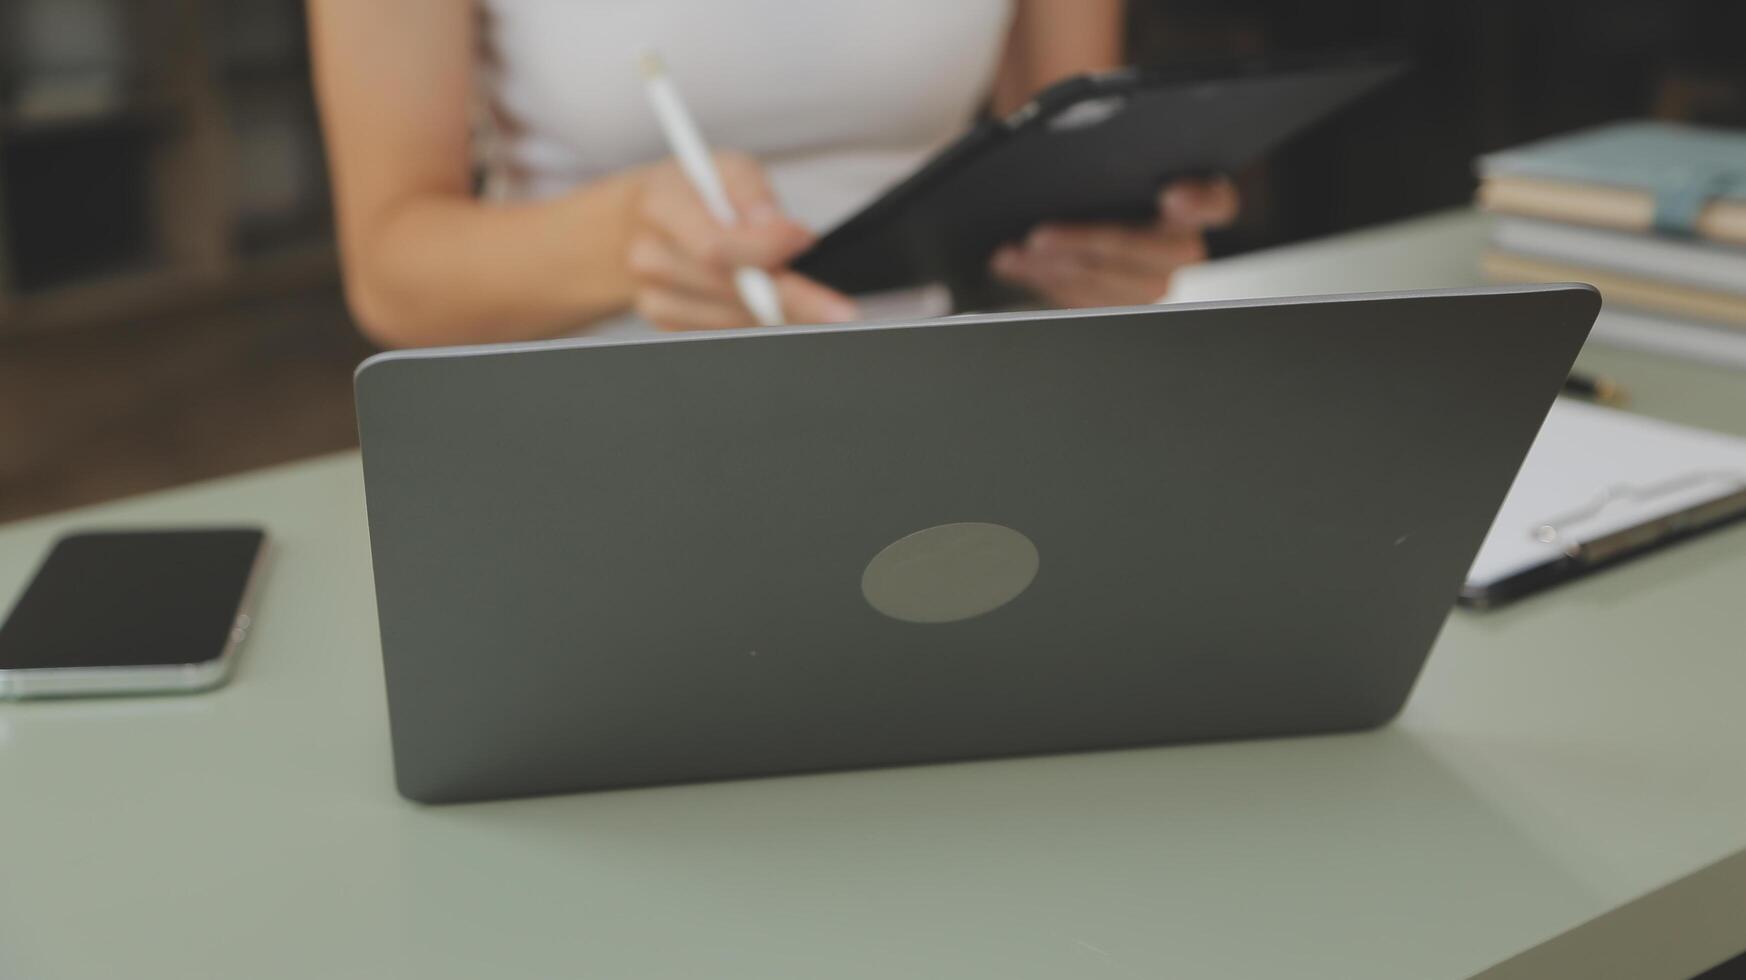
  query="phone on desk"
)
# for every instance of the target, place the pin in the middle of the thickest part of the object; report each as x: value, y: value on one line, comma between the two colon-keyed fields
x: 131, y: 612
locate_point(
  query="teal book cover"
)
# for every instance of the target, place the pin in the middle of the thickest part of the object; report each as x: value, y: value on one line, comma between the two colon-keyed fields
x: 1682, y: 166
x: 1644, y: 155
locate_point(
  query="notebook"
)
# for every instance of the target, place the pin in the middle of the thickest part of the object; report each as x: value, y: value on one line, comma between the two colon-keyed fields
x: 1652, y: 333
x: 1598, y: 487
x: 1635, y: 176
x: 1623, y: 289
x: 1675, y: 261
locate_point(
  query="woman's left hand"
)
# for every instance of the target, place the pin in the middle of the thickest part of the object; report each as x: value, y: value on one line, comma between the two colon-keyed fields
x: 1116, y: 264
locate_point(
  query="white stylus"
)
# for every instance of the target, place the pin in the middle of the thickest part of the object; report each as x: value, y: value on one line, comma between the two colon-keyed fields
x: 755, y: 288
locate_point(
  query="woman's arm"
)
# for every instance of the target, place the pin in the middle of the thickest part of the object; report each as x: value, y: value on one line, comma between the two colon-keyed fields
x: 1052, y: 39
x: 426, y: 263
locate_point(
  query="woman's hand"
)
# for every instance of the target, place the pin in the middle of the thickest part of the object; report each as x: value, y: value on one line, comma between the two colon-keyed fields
x: 682, y: 260
x: 1115, y: 264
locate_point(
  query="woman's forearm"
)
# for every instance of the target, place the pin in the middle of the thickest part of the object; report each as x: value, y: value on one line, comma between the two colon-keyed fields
x: 425, y: 262
x: 1049, y: 40
x: 444, y: 269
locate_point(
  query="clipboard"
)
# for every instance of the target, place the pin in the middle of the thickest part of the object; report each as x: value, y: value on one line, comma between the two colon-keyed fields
x: 1601, y: 486
x: 1090, y: 148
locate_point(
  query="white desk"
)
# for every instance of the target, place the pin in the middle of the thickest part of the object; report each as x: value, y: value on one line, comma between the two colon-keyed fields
x: 1575, y: 763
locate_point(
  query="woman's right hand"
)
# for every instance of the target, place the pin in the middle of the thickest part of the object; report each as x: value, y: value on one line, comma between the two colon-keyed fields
x: 682, y: 260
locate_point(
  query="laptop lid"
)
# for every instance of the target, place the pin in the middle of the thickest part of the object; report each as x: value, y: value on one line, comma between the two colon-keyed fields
x: 604, y: 564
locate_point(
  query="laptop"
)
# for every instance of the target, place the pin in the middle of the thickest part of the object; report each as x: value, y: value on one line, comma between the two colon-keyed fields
x: 701, y: 556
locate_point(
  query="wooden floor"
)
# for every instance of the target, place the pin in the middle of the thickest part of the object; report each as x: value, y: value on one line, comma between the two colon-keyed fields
x: 102, y: 412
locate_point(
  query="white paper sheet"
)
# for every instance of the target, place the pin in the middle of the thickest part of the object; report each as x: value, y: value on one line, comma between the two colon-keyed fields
x: 1597, y: 470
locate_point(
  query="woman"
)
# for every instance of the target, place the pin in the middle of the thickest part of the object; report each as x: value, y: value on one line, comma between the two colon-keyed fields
x: 584, y: 225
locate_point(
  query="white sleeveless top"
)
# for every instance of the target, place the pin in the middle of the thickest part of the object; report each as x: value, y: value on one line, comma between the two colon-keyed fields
x: 838, y: 98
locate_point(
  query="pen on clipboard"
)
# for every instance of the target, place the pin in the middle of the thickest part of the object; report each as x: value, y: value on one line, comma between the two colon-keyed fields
x: 1595, y: 389
x: 754, y: 285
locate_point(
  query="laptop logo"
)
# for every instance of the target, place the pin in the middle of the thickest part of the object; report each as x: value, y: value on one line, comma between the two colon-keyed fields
x: 950, y: 572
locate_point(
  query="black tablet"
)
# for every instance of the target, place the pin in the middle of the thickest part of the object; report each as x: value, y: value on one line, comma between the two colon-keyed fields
x: 1095, y: 147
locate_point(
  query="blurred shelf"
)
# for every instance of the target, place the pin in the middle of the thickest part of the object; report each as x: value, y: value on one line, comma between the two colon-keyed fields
x: 152, y: 292
x: 270, y: 79
x: 199, y: 129
x: 135, y: 116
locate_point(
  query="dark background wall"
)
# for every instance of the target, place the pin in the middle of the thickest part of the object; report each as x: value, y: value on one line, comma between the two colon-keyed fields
x: 1487, y: 74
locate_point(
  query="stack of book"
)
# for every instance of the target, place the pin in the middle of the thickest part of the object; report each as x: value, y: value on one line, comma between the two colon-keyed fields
x: 1651, y: 213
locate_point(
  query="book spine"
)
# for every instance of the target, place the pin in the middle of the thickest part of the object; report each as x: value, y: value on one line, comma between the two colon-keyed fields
x: 1643, y: 294
x: 1699, y: 265
x: 1602, y: 206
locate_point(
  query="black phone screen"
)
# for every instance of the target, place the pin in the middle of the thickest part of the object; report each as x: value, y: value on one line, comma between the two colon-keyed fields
x: 131, y: 598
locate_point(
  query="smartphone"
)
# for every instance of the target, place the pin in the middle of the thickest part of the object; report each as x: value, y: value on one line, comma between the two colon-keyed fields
x: 132, y: 612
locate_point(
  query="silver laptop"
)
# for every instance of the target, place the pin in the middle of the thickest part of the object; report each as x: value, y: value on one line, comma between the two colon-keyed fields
x: 703, y: 556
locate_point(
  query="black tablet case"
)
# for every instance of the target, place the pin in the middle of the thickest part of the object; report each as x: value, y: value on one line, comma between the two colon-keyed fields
x: 1095, y: 147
